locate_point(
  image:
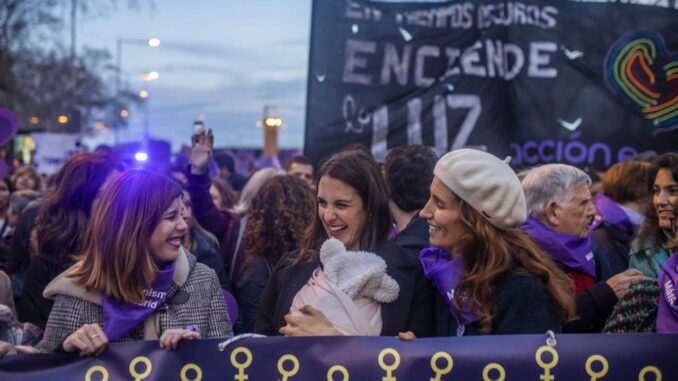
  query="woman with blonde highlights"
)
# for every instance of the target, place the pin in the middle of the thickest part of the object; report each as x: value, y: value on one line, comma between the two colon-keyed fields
x: 493, y: 278
x: 133, y: 279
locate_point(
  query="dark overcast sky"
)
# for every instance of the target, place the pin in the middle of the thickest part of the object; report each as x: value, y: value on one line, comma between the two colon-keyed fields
x: 224, y: 59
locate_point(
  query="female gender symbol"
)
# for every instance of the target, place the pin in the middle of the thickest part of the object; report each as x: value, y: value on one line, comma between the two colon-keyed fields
x: 335, y: 369
x: 133, y: 368
x: 498, y: 368
x: 288, y: 373
x: 589, y: 367
x: 193, y: 367
x: 547, y: 376
x: 389, y: 368
x: 241, y: 366
x: 99, y: 369
x: 434, y: 365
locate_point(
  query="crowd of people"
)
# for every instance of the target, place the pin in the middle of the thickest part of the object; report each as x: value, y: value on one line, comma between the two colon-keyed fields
x: 416, y: 246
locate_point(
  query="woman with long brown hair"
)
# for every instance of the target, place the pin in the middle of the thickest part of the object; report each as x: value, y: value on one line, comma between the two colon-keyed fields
x: 352, y: 209
x: 60, y: 225
x: 493, y: 278
x: 655, y: 242
x: 133, y: 280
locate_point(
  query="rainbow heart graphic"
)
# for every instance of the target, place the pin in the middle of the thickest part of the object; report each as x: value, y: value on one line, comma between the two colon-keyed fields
x: 639, y: 68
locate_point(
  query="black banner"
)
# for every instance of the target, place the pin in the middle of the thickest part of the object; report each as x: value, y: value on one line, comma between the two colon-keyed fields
x: 588, y: 82
x: 644, y: 357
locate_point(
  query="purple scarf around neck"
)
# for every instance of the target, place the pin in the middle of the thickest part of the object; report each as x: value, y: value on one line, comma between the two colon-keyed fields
x: 120, y: 317
x: 446, y: 273
x: 571, y: 251
x: 667, y: 314
x: 613, y: 213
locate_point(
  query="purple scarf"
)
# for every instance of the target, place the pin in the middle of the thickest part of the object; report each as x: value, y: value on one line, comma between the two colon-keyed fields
x: 667, y: 314
x: 446, y: 273
x: 571, y: 251
x: 613, y: 213
x: 120, y: 317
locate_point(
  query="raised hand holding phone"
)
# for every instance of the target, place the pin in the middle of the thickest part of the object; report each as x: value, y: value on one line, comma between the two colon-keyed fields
x: 201, y: 151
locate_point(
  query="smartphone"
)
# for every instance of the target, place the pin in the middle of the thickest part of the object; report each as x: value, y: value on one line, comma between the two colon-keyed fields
x: 198, y: 127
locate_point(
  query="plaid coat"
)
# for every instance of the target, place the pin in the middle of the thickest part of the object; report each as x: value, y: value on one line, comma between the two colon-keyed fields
x: 204, y: 307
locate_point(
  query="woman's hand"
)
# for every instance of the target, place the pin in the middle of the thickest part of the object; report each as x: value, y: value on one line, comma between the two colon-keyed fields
x: 406, y: 336
x: 169, y: 340
x: 201, y: 151
x: 6, y: 349
x: 89, y: 340
x: 23, y: 349
x: 621, y: 283
x: 311, y: 323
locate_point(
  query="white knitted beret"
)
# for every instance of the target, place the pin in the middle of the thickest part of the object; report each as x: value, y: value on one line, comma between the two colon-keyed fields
x: 486, y: 183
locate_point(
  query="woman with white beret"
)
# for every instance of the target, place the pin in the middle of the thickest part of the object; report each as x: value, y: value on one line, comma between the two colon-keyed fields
x: 493, y: 278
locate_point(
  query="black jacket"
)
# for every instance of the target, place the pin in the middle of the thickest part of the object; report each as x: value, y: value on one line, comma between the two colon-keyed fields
x: 207, y: 253
x: 34, y: 308
x: 615, y: 244
x: 522, y: 306
x: 595, y: 304
x: 414, y: 237
x: 411, y: 311
x: 251, y: 284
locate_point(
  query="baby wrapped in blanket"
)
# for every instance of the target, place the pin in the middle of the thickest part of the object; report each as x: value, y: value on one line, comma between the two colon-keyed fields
x: 348, y: 290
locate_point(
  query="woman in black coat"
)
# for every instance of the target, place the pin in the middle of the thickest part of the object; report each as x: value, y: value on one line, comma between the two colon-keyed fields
x: 353, y: 208
x: 275, y: 224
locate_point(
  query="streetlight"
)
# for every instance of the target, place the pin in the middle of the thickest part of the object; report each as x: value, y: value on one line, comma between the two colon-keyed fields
x: 147, y: 77
x: 152, y: 42
x: 150, y: 76
x: 272, y: 122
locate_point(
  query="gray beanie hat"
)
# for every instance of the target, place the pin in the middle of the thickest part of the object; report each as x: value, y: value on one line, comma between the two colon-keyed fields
x: 486, y: 183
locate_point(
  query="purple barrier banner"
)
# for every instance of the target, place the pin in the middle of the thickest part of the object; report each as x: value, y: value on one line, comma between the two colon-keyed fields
x: 644, y: 357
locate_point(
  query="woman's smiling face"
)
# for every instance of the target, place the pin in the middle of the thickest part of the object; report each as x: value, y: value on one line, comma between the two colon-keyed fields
x: 341, y: 211
x: 168, y: 234
x: 664, y: 197
x: 442, y: 212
